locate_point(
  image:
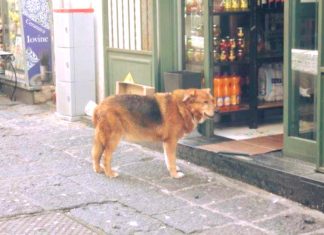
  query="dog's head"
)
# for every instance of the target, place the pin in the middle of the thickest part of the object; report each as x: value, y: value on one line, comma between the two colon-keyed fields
x: 199, y: 102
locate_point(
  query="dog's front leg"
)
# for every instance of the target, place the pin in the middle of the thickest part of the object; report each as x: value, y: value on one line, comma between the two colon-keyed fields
x: 170, y: 147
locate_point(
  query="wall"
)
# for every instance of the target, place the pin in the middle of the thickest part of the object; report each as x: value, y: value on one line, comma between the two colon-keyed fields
x: 100, y: 51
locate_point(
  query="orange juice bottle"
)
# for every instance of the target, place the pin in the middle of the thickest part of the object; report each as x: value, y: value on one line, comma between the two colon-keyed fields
x: 235, y: 90
x: 218, y: 91
x: 227, y: 90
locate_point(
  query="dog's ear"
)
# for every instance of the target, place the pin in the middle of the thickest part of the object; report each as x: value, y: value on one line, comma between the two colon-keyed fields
x: 186, y: 97
x: 189, y: 94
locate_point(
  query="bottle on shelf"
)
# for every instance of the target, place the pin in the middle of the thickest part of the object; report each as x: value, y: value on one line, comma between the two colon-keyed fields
x: 216, y: 55
x: 235, y: 5
x: 230, y: 5
x: 227, y: 5
x: 231, y: 56
x: 218, y: 5
x: 227, y: 90
x: 218, y: 91
x: 235, y: 90
x: 244, y: 4
x: 270, y: 4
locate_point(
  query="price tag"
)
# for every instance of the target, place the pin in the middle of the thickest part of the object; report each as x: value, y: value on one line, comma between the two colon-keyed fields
x: 305, y: 61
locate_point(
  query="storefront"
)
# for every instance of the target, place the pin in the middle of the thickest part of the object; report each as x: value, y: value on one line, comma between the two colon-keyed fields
x: 239, y: 51
x: 26, y: 34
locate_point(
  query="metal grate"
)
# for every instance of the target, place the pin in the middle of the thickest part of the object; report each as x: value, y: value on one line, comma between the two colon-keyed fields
x: 54, y: 223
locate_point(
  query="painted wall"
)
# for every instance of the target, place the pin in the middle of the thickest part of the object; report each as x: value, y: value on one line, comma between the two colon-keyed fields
x: 100, y: 52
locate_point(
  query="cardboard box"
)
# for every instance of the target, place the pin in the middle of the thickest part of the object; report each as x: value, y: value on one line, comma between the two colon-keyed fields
x: 133, y: 88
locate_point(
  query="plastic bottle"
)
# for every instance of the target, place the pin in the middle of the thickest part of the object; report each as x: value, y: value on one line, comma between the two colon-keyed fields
x: 227, y: 90
x: 218, y: 91
x: 261, y: 83
x: 235, y: 90
x: 269, y: 86
x: 277, y: 85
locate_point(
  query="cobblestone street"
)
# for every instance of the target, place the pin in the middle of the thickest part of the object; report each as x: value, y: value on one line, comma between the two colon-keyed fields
x: 48, y: 187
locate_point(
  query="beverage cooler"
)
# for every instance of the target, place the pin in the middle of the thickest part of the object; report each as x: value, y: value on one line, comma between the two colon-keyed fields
x: 237, y: 45
x: 25, y: 28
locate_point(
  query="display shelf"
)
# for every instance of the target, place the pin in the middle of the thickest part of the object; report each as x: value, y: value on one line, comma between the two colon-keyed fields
x: 247, y: 55
x: 269, y: 57
x: 230, y: 63
x: 269, y: 23
x: 224, y: 13
x: 270, y: 105
x: 267, y: 10
x: 232, y: 109
x: 194, y: 14
x: 234, y: 61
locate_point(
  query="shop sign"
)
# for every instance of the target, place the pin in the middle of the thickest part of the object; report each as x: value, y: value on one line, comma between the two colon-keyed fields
x: 305, y: 61
x: 37, y: 35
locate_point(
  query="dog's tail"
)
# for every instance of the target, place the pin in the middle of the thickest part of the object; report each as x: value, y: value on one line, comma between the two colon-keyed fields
x: 95, y: 117
x: 90, y: 110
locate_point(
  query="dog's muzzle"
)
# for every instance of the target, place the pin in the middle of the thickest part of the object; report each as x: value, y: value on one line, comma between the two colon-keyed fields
x: 208, y: 116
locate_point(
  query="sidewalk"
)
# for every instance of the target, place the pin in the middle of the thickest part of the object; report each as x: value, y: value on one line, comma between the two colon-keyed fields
x: 48, y: 187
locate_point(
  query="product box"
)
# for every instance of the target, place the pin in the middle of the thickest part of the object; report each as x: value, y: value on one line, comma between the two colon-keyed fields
x: 133, y: 88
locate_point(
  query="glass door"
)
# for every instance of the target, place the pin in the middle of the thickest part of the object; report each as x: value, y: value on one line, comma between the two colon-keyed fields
x: 301, y: 73
x: 320, y: 90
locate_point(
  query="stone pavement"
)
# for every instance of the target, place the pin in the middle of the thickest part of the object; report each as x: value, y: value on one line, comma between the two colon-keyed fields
x: 48, y: 187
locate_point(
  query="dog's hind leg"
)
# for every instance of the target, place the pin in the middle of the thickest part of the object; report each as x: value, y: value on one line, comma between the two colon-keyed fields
x: 96, y: 152
x: 170, y: 158
x: 110, y: 147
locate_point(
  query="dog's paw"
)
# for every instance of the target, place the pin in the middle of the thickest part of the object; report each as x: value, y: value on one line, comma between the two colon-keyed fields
x: 99, y: 169
x: 112, y: 174
x: 178, y: 175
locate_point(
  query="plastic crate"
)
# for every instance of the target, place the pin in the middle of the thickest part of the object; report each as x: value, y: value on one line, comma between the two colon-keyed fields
x: 181, y: 80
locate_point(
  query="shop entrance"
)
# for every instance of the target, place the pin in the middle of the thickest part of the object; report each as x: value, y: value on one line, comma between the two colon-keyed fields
x: 238, y: 46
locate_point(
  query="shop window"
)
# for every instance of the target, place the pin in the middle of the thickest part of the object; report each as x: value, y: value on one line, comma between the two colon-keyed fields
x: 12, y: 37
x: 130, y: 24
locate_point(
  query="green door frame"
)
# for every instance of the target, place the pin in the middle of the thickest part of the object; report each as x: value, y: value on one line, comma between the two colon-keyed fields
x: 308, y: 150
x: 320, y: 90
x: 207, y: 129
x: 164, y: 55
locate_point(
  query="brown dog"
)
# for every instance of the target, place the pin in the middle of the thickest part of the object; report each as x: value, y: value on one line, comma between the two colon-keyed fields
x: 163, y: 117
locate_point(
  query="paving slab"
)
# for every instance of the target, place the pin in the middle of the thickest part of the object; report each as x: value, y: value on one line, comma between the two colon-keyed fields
x: 193, y: 219
x: 237, y: 229
x: 114, y: 218
x: 150, y: 170
x: 157, y: 172
x: 56, y: 162
x: 132, y: 192
x: 118, y: 188
x: 209, y: 194
x: 57, y: 192
x: 250, y: 207
x: 293, y: 223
